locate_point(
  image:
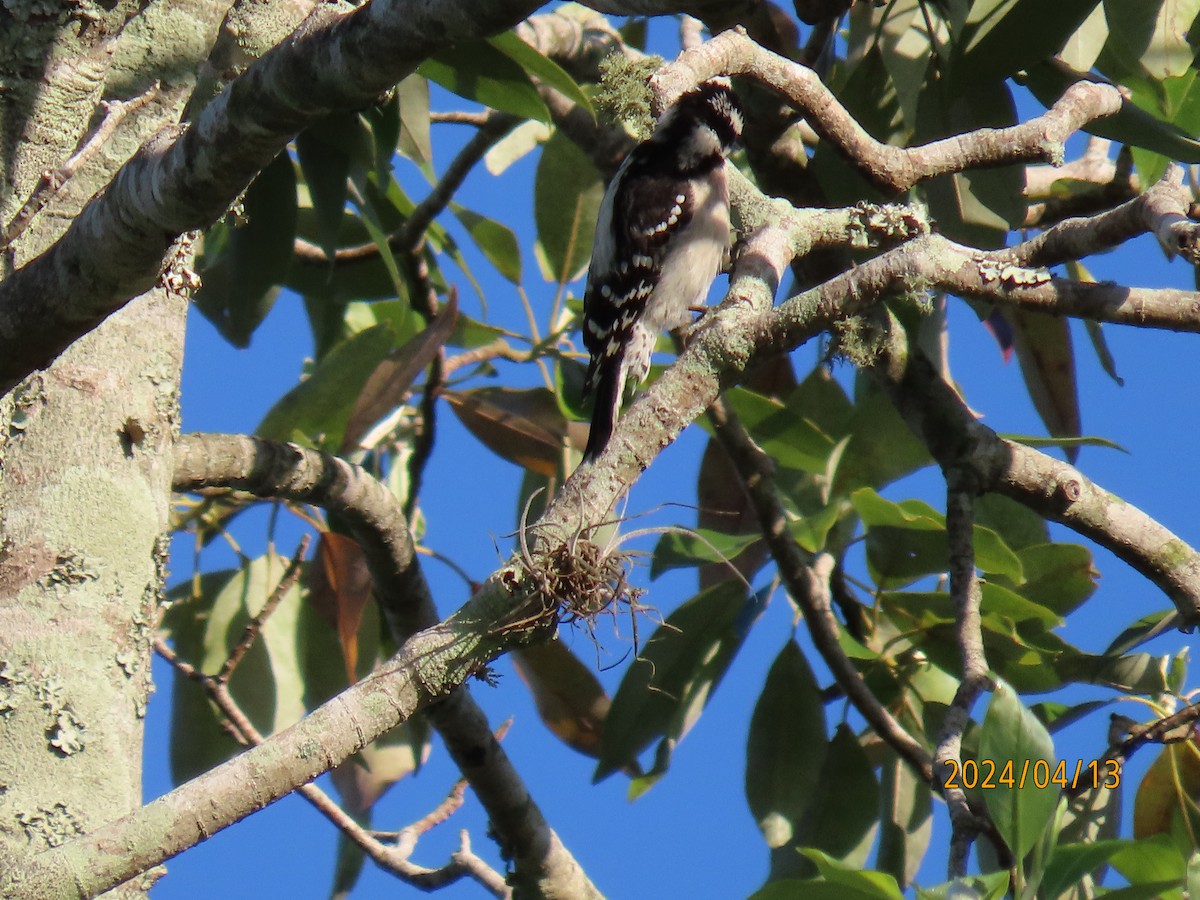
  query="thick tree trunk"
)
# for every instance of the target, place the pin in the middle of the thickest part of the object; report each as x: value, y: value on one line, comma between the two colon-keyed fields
x: 85, y: 452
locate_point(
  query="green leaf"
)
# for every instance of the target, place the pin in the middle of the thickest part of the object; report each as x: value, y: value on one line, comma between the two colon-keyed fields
x: 1083, y: 47
x: 1148, y: 39
x: 668, y: 685
x: 1145, y: 628
x: 1018, y: 525
x: 906, y: 820
x: 320, y: 406
x: 1134, y: 673
x: 977, y: 207
x: 1150, y: 860
x: 1069, y: 863
x: 869, y: 884
x: 991, y: 886
x: 843, y: 814
x: 1130, y: 125
x: 804, y: 889
x: 1003, y: 36
x: 384, y: 120
x: 1059, y: 577
x: 1069, y: 443
x: 470, y: 333
x: 783, y: 432
x: 1047, y: 357
x: 677, y: 550
x: 542, y: 68
x: 907, y: 52
x: 239, y: 282
x: 566, y: 200
x: 1056, y: 716
x: 268, y: 684
x: 326, y: 152
x: 495, y: 241
x: 477, y: 70
x: 786, y: 746
x: 1011, y: 734
x: 907, y: 540
x: 197, y: 741
x: 413, y: 141
x: 882, y: 448
x: 515, y: 145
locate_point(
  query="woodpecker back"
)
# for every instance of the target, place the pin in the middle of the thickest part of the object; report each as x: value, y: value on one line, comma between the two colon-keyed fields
x: 661, y: 239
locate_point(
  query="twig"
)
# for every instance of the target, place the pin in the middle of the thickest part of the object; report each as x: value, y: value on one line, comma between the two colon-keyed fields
x: 961, y: 487
x: 1172, y: 729
x: 497, y: 349
x: 394, y: 859
x: 254, y: 627
x: 409, y: 235
x: 53, y: 180
x: 460, y: 117
x: 425, y: 302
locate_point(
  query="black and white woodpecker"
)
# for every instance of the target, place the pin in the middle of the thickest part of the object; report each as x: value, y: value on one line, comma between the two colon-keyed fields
x: 662, y: 237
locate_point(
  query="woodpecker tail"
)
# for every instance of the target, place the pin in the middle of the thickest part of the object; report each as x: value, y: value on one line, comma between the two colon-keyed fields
x: 606, y: 385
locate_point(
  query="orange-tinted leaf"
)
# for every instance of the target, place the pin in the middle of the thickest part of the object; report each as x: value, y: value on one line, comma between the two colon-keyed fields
x: 523, y: 426
x: 1172, y: 783
x: 569, y: 698
x: 341, y: 589
x: 1047, y: 358
x: 387, y: 385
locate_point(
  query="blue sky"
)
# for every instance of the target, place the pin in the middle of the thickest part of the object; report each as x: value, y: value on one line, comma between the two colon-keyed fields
x: 693, y: 829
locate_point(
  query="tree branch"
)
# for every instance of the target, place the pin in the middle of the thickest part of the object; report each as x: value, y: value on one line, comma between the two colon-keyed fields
x: 186, y: 179
x: 891, y: 169
x: 375, y: 519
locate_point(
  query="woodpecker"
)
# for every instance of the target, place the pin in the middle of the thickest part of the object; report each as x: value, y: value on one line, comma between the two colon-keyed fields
x: 662, y: 237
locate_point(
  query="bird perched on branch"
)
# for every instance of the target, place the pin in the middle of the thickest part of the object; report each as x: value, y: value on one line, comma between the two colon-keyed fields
x: 662, y: 237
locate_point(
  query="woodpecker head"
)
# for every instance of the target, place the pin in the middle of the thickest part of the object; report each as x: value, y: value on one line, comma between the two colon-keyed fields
x: 703, y: 125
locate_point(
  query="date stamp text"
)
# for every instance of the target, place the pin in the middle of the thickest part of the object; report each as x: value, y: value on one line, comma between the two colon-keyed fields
x: 987, y: 774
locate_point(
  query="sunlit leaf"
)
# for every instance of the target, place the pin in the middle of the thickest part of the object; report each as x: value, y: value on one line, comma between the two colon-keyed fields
x: 1003, y: 36
x: 541, y: 67
x: 679, y: 550
x: 566, y: 200
x: 478, y: 71
x: 871, y: 884
x: 413, y: 96
x: 393, y: 377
